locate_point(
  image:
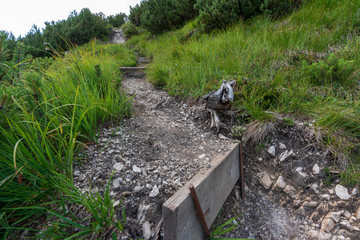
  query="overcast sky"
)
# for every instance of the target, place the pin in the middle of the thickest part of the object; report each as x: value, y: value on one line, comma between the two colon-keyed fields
x: 18, y: 16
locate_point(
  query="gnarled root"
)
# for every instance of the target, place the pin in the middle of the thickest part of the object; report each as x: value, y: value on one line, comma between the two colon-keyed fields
x: 215, y: 120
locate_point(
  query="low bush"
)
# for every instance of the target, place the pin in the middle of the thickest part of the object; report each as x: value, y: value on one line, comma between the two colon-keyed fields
x: 217, y: 14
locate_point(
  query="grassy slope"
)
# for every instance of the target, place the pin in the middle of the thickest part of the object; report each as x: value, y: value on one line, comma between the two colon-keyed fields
x: 305, y: 65
x: 47, y: 118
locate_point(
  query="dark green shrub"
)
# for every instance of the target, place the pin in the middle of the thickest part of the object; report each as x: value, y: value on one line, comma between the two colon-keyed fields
x: 218, y: 14
x: 158, y: 16
x: 79, y: 28
x: 129, y: 29
x: 117, y: 20
x: 34, y: 43
x: 333, y: 70
x: 135, y: 15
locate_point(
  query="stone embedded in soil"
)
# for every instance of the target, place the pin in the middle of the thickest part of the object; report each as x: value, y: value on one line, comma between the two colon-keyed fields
x: 146, y: 228
x: 312, y: 234
x: 316, y: 169
x: 154, y: 192
x: 289, y: 190
x: 177, y: 184
x: 118, y: 166
x: 280, y: 184
x: 357, y: 213
x: 325, y: 197
x: 202, y: 156
x: 354, y: 191
x: 104, y: 140
x: 285, y: 155
x: 138, y: 188
x: 116, y: 184
x: 335, y: 216
x: 327, y: 225
x: 265, y: 181
x: 300, y: 177
x: 271, y: 150
x: 116, y: 203
x: 342, y: 192
x: 142, y: 211
x: 300, y: 211
x: 136, y: 169
x: 282, y: 146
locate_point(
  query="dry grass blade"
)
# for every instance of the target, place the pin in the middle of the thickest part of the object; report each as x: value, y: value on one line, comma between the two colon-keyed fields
x: 256, y: 131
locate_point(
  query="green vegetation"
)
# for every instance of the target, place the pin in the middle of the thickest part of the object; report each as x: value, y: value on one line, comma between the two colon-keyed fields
x: 305, y: 65
x: 158, y: 16
x: 47, y: 116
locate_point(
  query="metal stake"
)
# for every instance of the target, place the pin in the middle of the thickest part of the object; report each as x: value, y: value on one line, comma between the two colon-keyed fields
x: 242, y: 181
x: 199, y: 212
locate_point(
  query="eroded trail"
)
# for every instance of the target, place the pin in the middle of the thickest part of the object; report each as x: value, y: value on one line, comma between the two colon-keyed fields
x: 168, y: 140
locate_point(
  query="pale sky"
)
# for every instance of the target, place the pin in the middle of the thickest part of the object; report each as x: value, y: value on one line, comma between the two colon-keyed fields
x: 18, y: 16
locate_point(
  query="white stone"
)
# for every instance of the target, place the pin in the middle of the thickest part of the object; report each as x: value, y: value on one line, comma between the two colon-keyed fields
x: 116, y: 183
x: 347, y: 214
x: 154, y: 192
x: 146, y: 228
x: 222, y: 137
x: 149, y: 186
x: 327, y: 225
x: 202, y: 156
x: 142, y: 213
x: 354, y: 191
x: 138, y: 188
x: 316, y: 169
x: 342, y: 192
x: 177, y: 183
x: 325, y: 197
x: 116, y: 203
x: 280, y: 183
x: 118, y: 166
x: 136, y: 169
x: 282, y: 146
x: 335, y: 216
x: 289, y: 189
x: 265, y: 181
x: 286, y: 154
x: 77, y: 173
x: 315, y: 187
x: 271, y: 150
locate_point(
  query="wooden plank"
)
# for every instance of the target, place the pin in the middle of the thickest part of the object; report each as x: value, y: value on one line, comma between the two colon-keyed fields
x: 213, y: 185
x: 133, y: 71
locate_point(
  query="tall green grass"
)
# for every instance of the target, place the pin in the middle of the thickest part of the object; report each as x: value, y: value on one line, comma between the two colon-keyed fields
x: 48, y: 118
x: 303, y: 65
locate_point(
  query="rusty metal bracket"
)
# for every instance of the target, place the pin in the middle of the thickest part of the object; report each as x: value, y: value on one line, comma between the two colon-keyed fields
x: 242, y: 180
x: 199, y: 212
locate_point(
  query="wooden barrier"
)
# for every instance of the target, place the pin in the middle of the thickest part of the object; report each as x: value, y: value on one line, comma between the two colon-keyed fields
x: 212, y: 185
x: 133, y: 71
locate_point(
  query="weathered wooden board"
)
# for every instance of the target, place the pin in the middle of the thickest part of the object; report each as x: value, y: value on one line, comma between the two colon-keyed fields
x: 213, y: 185
x: 133, y: 71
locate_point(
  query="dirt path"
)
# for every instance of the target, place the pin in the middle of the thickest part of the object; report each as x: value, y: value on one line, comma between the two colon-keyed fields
x: 168, y: 140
